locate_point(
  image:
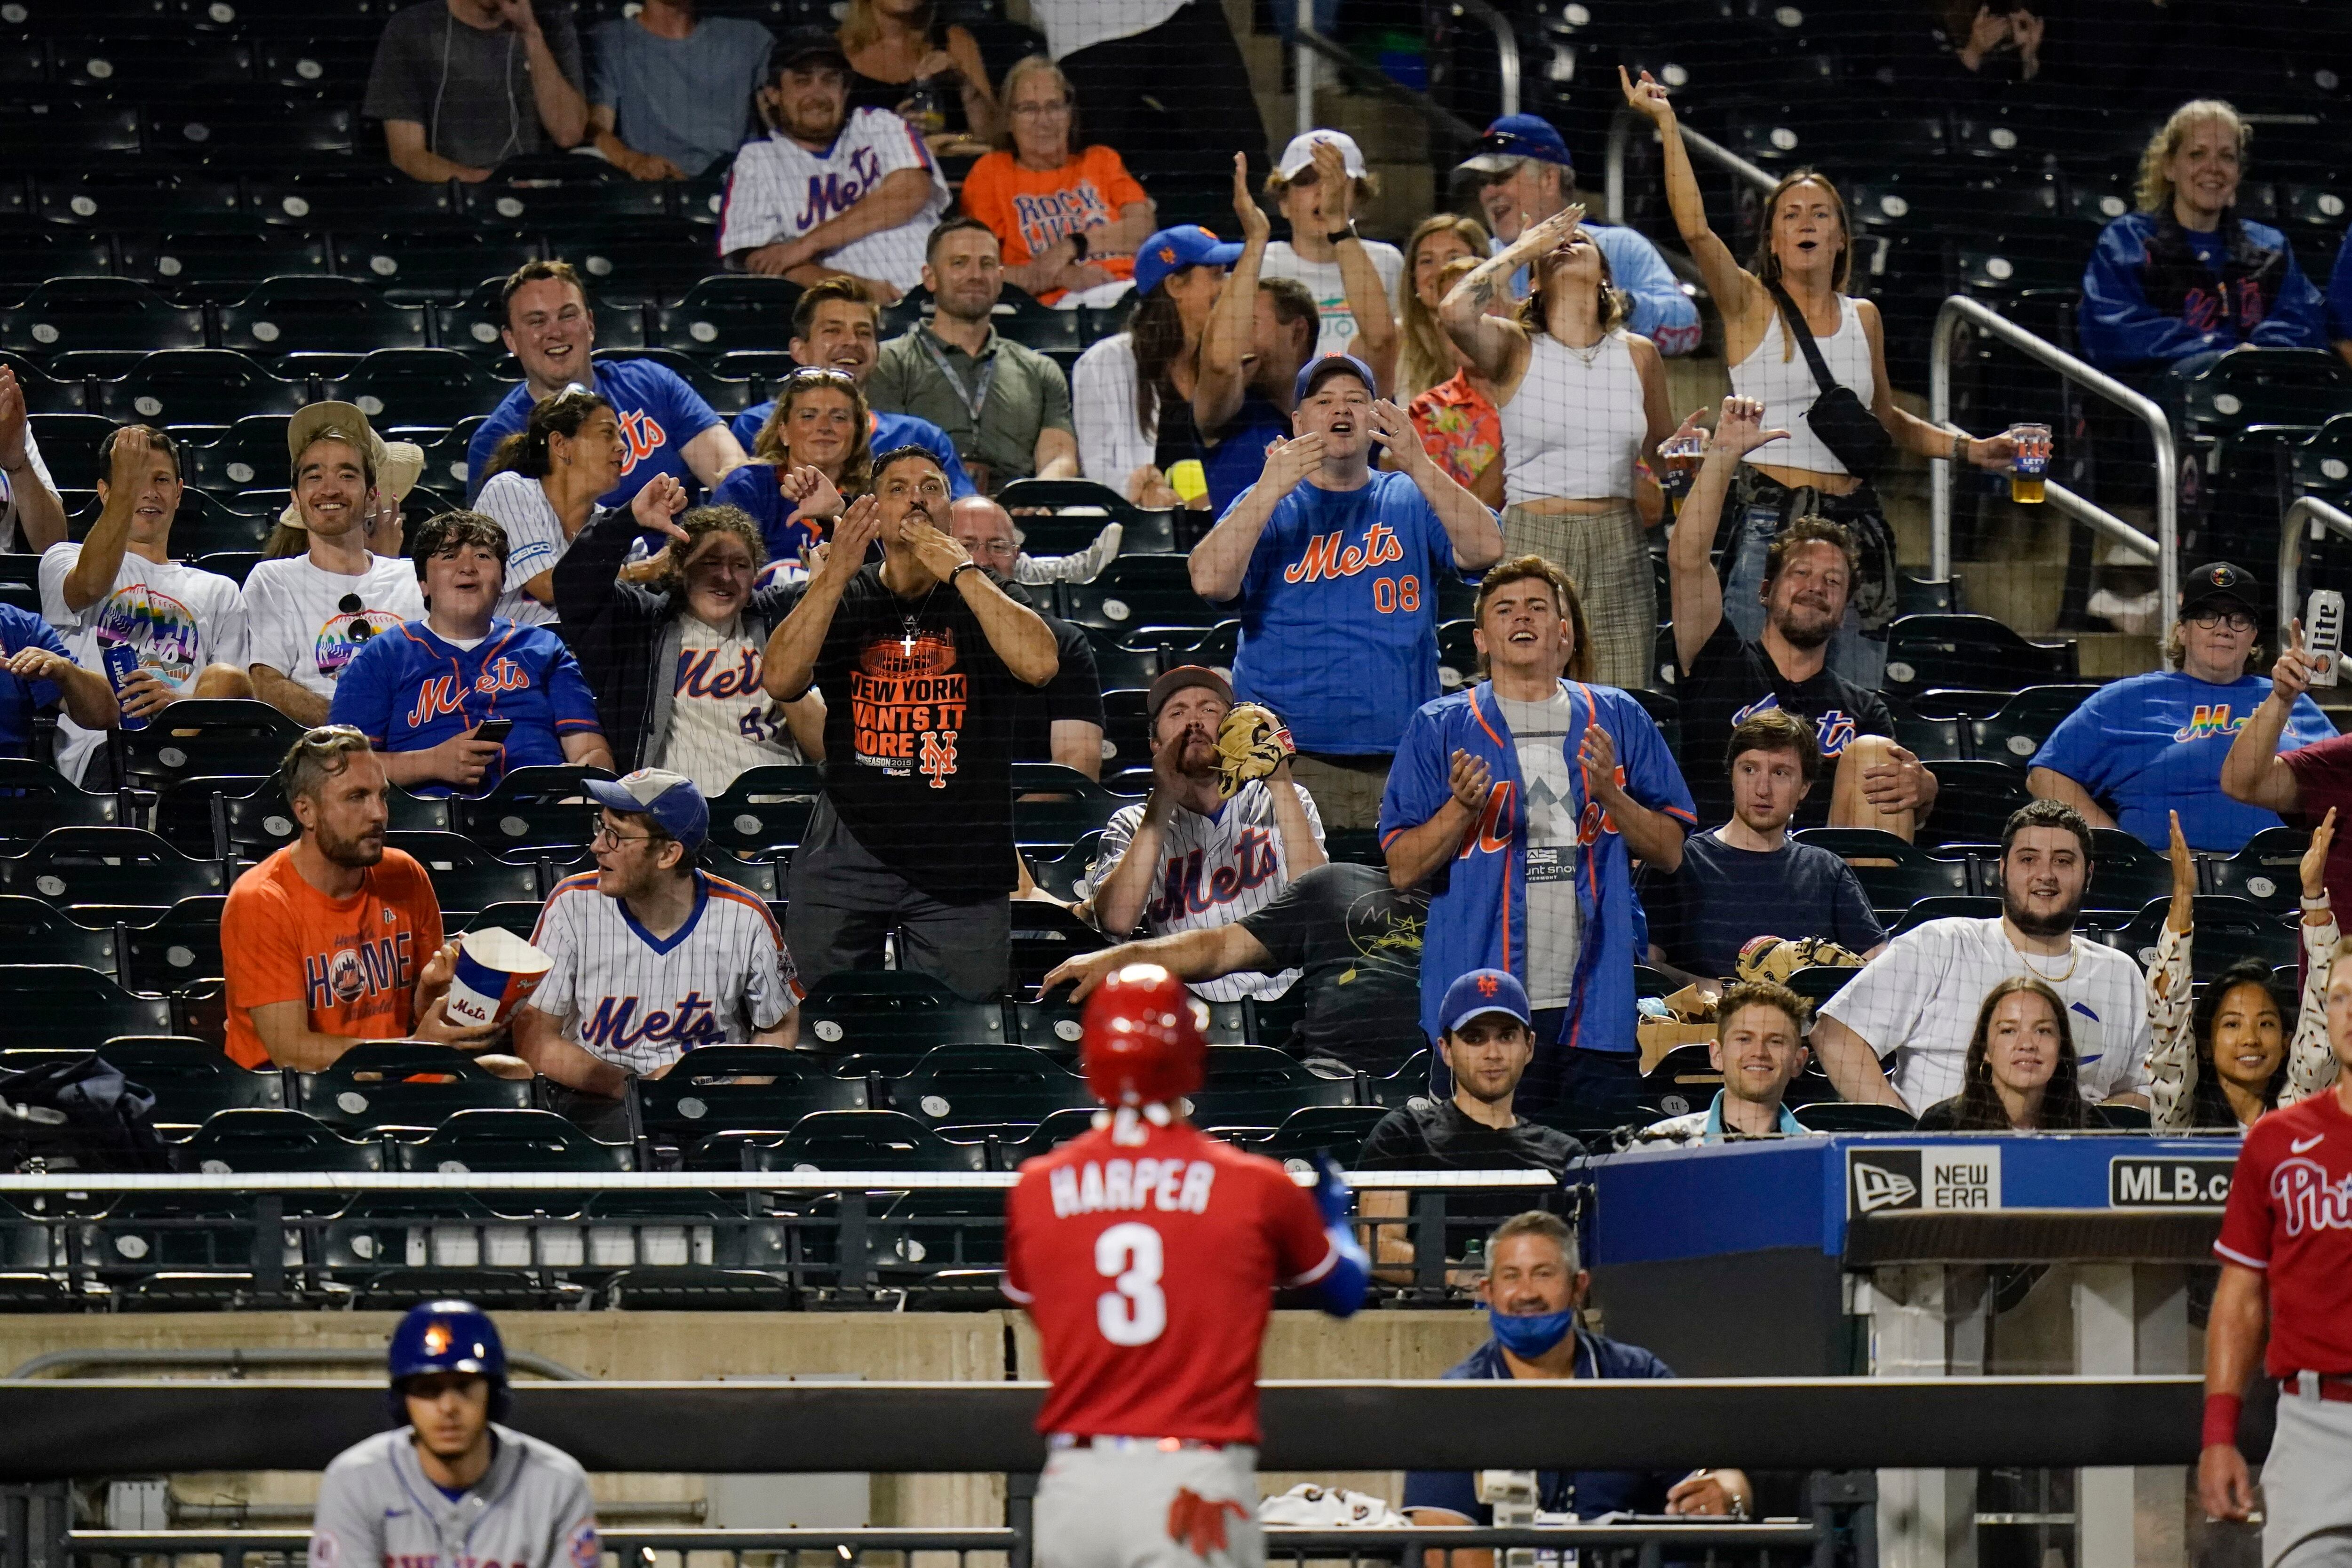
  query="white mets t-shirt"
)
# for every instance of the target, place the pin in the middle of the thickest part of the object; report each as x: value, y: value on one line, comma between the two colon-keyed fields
x: 306, y: 622
x: 177, y: 618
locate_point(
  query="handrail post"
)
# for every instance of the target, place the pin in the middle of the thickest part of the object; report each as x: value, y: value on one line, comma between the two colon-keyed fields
x: 1507, y: 49
x: 1303, y: 68
x: 1621, y: 128
x: 2303, y: 511
x: 1939, y: 469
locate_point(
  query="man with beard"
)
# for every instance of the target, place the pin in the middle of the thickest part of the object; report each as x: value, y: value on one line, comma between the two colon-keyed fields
x: 921, y: 659
x: 1914, y: 1003
x: 1189, y: 858
x: 1876, y: 782
x: 336, y: 939
x: 829, y: 192
x: 1005, y: 405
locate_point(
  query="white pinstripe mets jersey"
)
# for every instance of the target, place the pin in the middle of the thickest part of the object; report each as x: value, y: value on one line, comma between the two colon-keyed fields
x: 641, y: 1002
x: 780, y: 190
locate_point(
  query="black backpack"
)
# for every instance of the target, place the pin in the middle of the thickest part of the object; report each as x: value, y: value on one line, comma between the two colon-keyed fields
x: 78, y: 1113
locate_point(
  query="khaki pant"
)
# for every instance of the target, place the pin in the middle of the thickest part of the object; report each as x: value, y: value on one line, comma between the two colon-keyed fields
x: 1114, y: 1508
x: 1607, y: 556
x: 1347, y: 790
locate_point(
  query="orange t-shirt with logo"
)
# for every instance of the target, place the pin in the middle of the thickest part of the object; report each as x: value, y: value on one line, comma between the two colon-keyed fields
x: 1031, y: 209
x: 355, y: 961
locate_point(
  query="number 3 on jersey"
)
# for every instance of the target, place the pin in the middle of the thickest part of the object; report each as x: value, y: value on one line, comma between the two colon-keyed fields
x: 1134, y: 1310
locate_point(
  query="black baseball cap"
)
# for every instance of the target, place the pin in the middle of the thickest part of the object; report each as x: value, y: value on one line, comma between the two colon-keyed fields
x: 798, y: 45
x: 2219, y: 580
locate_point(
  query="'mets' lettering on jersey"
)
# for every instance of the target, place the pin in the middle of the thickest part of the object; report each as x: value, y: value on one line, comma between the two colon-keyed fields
x: 442, y: 695
x: 2210, y: 719
x: 616, y: 1026
x: 1183, y: 890
x: 1171, y: 1187
x: 1326, y: 555
x: 906, y: 703
x: 831, y: 192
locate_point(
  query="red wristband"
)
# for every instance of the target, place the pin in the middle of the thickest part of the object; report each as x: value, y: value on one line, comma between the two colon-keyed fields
x: 2222, y: 1413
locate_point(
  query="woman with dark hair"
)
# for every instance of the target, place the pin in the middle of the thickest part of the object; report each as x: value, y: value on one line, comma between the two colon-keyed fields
x: 1795, y: 283
x: 813, y: 453
x: 1069, y: 213
x: 1130, y: 394
x: 1425, y: 355
x: 2020, y: 1075
x: 674, y: 663
x: 1581, y: 400
x: 2224, y: 1059
x: 542, y: 488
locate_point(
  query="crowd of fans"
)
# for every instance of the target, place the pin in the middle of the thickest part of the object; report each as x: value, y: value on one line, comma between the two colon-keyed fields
x: 1362, y: 424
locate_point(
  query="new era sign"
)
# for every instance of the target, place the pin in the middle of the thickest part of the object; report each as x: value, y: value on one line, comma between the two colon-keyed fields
x: 1955, y: 1178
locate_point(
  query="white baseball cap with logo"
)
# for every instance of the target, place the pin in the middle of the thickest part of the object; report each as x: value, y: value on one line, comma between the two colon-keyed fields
x: 1300, y: 153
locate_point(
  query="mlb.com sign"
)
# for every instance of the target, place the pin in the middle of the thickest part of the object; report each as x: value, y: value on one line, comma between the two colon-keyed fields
x: 1958, y: 1178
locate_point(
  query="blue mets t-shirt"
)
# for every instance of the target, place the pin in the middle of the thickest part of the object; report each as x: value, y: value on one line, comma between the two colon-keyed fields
x: 753, y: 487
x: 409, y: 691
x: 884, y: 433
x: 1339, y: 612
x: 659, y: 414
x: 20, y: 698
x: 2154, y: 743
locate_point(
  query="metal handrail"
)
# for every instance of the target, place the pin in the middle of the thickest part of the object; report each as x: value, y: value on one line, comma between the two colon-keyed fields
x: 2301, y: 511
x: 1506, y: 47
x: 1621, y: 134
x: 2164, y: 548
x: 1439, y: 117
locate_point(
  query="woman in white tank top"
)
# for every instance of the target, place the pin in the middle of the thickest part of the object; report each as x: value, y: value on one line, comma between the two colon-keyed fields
x: 1581, y: 400
x: 1805, y: 249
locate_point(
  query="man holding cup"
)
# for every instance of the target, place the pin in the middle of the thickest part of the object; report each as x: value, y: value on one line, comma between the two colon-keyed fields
x: 649, y: 956
x: 336, y: 939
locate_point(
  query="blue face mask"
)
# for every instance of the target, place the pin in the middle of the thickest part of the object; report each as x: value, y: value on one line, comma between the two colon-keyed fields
x: 1530, y: 1337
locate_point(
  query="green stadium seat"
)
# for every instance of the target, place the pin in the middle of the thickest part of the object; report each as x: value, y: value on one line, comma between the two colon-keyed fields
x: 404, y: 1084
x: 1338, y: 1130
x: 1256, y: 1086
x: 180, y: 947
x: 893, y: 1012
x: 433, y: 387
x: 317, y: 314
x: 766, y: 809
x: 198, y: 386
x: 120, y: 865
x: 2266, y: 873
x: 731, y: 1088
x: 484, y: 1138
x: 977, y: 1087
x: 467, y: 877
x: 1931, y: 651
x: 208, y: 736
x: 67, y: 1002
x: 856, y: 1141
x: 532, y: 808
x: 274, y: 1139
x: 735, y: 311
x: 33, y: 931
x: 34, y: 799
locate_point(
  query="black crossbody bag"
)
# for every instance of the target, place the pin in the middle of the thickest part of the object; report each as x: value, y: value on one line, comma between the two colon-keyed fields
x: 1843, y: 422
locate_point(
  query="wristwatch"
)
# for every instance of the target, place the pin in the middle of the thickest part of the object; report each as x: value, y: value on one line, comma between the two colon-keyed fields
x: 1337, y: 234
x: 1077, y: 244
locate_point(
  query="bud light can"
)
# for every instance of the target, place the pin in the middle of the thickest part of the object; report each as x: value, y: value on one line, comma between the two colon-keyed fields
x: 121, y: 661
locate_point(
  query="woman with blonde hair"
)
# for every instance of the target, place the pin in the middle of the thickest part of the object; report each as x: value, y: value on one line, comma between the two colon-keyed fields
x: 1460, y: 427
x: 1425, y: 355
x: 1068, y: 215
x: 1842, y: 425
x: 813, y: 455
x: 2185, y: 277
x: 899, y: 50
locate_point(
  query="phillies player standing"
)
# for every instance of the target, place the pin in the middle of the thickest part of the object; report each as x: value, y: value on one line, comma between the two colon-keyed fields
x: 1147, y: 1252
x: 2287, y: 1256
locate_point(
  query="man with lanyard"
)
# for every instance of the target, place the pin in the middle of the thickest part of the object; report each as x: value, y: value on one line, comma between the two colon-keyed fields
x: 1532, y: 1289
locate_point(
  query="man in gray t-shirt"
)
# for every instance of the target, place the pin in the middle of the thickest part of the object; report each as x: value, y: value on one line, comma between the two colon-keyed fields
x: 671, y: 92
x: 1541, y: 731
x: 463, y: 85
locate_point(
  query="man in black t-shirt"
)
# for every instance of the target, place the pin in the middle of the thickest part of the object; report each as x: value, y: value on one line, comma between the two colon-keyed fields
x: 1355, y: 940
x: 1489, y: 1040
x: 1064, y: 722
x: 923, y: 661
x: 1807, y: 575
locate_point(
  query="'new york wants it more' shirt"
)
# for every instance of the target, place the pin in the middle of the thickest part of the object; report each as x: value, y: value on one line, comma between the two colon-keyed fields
x: 919, y: 742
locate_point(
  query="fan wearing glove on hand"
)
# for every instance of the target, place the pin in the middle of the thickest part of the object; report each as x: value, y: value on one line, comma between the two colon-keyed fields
x: 1222, y: 831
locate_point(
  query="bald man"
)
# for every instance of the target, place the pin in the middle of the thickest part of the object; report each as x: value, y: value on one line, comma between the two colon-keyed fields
x: 1063, y: 720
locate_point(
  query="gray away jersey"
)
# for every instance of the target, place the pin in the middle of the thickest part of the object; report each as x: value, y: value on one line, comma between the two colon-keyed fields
x: 532, y: 1509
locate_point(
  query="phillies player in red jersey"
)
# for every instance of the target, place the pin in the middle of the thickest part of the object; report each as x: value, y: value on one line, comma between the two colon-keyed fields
x: 2287, y: 1256
x: 1147, y: 1252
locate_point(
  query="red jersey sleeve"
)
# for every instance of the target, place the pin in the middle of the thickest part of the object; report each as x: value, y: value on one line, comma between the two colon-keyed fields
x: 1302, y: 1252
x: 2246, y: 1221
x: 1016, y: 1273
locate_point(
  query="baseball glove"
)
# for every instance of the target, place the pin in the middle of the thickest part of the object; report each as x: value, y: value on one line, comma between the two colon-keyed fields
x: 1251, y: 743
x: 1777, y: 958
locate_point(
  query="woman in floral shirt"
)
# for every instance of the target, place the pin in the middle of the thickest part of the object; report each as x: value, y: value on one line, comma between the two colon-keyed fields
x: 1460, y: 427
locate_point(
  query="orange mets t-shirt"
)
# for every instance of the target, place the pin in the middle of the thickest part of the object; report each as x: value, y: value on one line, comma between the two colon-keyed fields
x: 353, y: 962
x: 1032, y: 209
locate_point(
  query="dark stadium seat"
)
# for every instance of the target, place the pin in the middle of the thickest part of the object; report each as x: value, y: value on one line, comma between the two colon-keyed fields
x: 512, y: 1139
x: 1045, y: 934
x: 1338, y: 1130
x: 554, y: 190
x: 437, y: 262
x: 445, y: 462
x: 466, y: 876
x: 849, y: 1140
x: 1138, y: 591
x: 2016, y: 730
x: 764, y: 877
x: 532, y: 808
x: 2251, y: 386
x: 274, y: 1139
x: 59, y: 128
x: 223, y: 263
x: 724, y: 1088
x: 1946, y: 906
x: 2125, y: 873
x: 69, y: 444
x: 240, y: 134
x: 198, y: 386
x: 192, y: 1081
x: 2228, y: 930
x: 735, y: 312
x: 342, y: 195
x: 404, y: 1084
x: 969, y: 1085
x: 34, y: 799
x: 117, y: 194
x: 317, y: 65
x: 313, y: 315
x: 67, y: 1004
x: 1067, y: 875
x: 1973, y: 803
x: 246, y: 817
x: 892, y: 1011
x: 520, y: 916
x: 1256, y: 1086
x: 140, y: 60
x: 1925, y: 652
x: 251, y: 456
x: 209, y: 735
x: 684, y: 1288
x: 2322, y: 465
x: 181, y: 946
x: 43, y: 392
x: 67, y: 314
x: 32, y: 931
x: 1051, y: 1134
x: 120, y: 866
x: 419, y: 386
x: 638, y: 267
x: 1843, y: 1116
x: 2266, y: 873
x: 1054, y: 805
x: 1126, y: 726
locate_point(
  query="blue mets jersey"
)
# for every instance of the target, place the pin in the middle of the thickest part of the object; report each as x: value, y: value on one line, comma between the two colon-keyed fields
x: 409, y: 691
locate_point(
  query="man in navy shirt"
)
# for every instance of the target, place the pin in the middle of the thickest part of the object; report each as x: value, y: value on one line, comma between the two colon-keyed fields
x: 1746, y: 878
x: 37, y: 672
x: 667, y: 427
x: 837, y: 326
x: 421, y: 692
x: 1532, y: 1289
x: 1334, y: 568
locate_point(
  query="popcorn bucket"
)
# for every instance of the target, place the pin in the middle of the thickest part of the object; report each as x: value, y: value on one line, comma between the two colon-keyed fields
x: 496, y: 970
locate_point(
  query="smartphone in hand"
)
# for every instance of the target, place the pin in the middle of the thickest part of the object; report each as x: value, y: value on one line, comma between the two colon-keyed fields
x: 495, y: 730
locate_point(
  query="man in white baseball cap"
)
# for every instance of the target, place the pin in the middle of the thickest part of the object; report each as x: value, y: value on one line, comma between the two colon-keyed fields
x: 337, y: 577
x: 1317, y: 185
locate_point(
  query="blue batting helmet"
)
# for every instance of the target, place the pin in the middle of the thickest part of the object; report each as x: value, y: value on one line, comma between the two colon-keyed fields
x: 448, y: 1336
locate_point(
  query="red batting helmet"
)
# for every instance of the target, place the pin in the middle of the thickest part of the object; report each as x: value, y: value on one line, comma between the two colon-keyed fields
x: 1142, y: 1040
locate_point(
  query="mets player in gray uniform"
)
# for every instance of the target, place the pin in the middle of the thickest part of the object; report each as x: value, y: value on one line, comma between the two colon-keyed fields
x: 453, y: 1488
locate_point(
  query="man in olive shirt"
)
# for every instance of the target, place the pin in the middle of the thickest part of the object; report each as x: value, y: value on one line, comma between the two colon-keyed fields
x: 1006, y: 407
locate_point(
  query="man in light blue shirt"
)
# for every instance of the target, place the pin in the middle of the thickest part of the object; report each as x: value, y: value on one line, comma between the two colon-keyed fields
x: 1524, y: 176
x: 1760, y: 1048
x: 669, y: 94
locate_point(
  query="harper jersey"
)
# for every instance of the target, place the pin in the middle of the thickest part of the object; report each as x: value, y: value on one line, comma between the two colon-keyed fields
x: 639, y: 1001
x: 411, y: 689
x: 1148, y: 1268
x: 2290, y: 1217
x: 779, y: 190
x: 1212, y: 871
x: 530, y: 1509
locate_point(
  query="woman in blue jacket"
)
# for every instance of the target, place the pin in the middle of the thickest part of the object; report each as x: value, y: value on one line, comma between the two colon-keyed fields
x: 2185, y: 276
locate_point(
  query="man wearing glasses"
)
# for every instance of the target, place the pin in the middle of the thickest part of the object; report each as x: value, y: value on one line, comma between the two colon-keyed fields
x: 651, y: 957
x: 2161, y: 742
x: 336, y: 939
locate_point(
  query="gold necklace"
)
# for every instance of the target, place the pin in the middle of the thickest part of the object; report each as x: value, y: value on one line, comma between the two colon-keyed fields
x: 2074, y: 957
